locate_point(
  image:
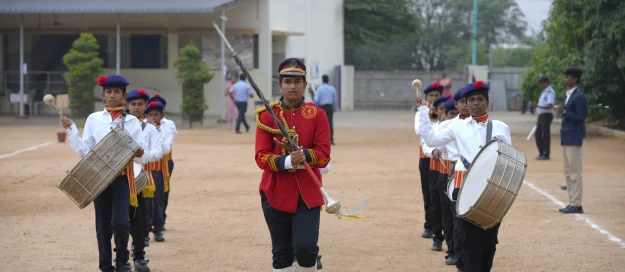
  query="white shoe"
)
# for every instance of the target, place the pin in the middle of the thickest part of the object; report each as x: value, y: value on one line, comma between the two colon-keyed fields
x: 306, y: 269
x: 288, y: 269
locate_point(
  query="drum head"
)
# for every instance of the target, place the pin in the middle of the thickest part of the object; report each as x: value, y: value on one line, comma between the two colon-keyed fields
x: 450, y: 189
x: 476, y: 180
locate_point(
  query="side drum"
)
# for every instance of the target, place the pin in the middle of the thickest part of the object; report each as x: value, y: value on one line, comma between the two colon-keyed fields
x: 491, y: 184
x: 99, y: 168
x: 141, y: 177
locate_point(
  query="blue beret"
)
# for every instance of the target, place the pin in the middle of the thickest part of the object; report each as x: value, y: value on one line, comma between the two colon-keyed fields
x: 460, y: 93
x: 450, y: 104
x: 478, y: 87
x: 441, y: 99
x: 158, y: 98
x: 113, y: 81
x: 434, y: 87
x: 137, y: 94
x: 292, y: 67
x: 155, y: 105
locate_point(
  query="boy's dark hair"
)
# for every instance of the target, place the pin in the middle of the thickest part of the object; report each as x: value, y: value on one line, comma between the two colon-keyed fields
x: 543, y: 79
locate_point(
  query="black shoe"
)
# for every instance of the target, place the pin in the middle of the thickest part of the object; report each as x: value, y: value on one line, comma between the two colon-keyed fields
x: 563, y: 187
x: 141, y: 266
x: 437, y: 246
x: 427, y: 233
x: 460, y: 270
x: 542, y: 158
x: 562, y: 209
x: 319, y: 265
x: 572, y: 209
x: 158, y: 237
x: 123, y: 267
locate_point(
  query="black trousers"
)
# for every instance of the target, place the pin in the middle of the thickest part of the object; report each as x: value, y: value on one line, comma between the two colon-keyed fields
x: 479, y: 247
x: 446, y: 213
x: 293, y: 235
x: 138, y: 228
x: 242, y: 107
x: 543, y: 133
x: 157, y: 207
x: 111, y: 221
x: 436, y: 216
x: 424, y: 168
x: 166, y: 197
x: 149, y: 210
x: 329, y: 109
x: 458, y: 237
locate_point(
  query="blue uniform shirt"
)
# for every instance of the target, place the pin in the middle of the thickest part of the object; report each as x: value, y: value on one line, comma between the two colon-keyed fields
x: 241, y: 91
x: 326, y: 94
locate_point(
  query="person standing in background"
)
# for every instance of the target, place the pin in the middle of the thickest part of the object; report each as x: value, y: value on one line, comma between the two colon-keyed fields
x: 231, y: 108
x: 326, y: 98
x: 446, y: 83
x: 545, y: 116
x: 572, y: 135
x: 240, y: 92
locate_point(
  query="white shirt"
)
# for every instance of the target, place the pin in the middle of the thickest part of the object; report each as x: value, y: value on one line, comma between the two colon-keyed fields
x: 469, y: 135
x: 568, y: 94
x: 171, y: 125
x: 166, y: 137
x: 450, y: 150
x: 97, y: 126
x: 548, y: 96
x: 152, y: 143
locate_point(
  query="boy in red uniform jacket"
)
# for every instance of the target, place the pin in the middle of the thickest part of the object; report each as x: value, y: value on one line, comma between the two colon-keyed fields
x: 290, y: 200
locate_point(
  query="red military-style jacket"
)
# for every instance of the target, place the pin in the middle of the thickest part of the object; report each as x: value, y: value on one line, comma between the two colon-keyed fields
x: 283, y: 186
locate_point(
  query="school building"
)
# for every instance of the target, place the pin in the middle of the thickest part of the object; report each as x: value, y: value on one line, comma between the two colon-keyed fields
x: 141, y: 39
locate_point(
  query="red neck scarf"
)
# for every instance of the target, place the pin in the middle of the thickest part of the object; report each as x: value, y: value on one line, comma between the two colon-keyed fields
x: 463, y: 117
x: 115, y: 112
x: 481, y: 119
x: 141, y: 118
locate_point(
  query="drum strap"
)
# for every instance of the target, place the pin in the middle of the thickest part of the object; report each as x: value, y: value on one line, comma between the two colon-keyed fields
x: 489, y: 136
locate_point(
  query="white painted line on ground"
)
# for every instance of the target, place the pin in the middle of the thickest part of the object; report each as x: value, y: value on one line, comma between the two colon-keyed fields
x: 587, y: 220
x: 26, y: 149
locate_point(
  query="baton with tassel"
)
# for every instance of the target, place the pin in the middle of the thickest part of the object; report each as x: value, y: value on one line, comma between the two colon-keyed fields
x: 332, y: 206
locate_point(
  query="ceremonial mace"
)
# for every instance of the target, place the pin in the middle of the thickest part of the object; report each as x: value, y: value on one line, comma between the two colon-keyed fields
x: 332, y: 206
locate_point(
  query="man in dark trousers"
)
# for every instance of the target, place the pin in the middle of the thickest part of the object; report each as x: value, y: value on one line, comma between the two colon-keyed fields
x: 241, y: 92
x: 572, y: 135
x: 326, y: 98
x: 545, y: 116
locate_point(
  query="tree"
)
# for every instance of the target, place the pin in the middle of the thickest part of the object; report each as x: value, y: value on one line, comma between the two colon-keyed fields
x: 375, y: 28
x: 84, y: 67
x: 589, y: 35
x: 192, y: 74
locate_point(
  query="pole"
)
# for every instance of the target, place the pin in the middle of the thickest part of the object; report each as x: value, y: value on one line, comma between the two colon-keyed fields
x: 223, y: 64
x: 117, y: 48
x: 21, y: 65
x: 474, y: 49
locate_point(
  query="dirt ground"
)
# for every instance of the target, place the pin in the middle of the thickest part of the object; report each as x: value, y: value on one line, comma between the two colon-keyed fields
x: 216, y: 222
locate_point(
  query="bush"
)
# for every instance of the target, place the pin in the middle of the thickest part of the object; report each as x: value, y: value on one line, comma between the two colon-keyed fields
x: 192, y: 74
x: 84, y: 66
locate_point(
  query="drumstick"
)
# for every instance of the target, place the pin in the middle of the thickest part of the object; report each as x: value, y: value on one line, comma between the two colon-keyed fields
x: 49, y: 99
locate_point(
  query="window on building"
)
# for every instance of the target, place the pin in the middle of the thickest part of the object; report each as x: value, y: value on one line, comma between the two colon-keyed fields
x: 148, y: 51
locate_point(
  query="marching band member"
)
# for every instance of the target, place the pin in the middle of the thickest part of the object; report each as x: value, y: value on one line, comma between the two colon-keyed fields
x: 137, y: 105
x: 457, y: 172
x: 171, y: 125
x: 445, y: 106
x: 158, y: 169
x: 111, y: 206
x: 291, y: 201
x: 436, y: 169
x: 431, y: 92
x: 479, y: 245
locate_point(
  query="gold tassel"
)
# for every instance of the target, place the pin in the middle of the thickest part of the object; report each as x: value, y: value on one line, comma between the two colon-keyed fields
x: 134, y: 201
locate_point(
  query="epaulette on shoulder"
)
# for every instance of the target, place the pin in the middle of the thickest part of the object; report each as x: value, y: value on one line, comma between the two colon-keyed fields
x: 272, y: 104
